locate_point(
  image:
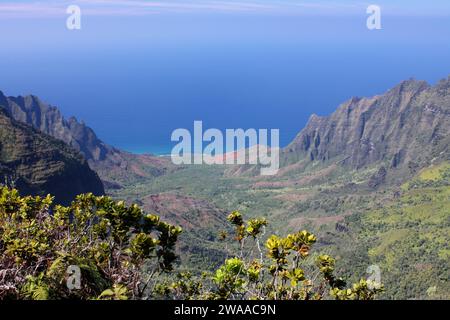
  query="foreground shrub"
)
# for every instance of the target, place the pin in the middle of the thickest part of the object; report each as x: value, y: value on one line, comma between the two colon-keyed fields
x: 97, y: 248
x: 284, y: 271
x: 45, y: 251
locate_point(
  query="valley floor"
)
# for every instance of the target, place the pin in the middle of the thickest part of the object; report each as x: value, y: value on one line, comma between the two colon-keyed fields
x: 402, y: 229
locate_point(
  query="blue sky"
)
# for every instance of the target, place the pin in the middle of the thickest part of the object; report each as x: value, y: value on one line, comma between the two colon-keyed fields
x: 27, y: 8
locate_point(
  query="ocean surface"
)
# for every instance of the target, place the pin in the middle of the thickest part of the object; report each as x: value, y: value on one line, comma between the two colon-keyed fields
x: 135, y: 80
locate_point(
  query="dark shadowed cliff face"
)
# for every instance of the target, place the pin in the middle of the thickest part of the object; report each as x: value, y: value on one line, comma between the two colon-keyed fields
x: 38, y: 164
x: 407, y: 126
x: 113, y: 166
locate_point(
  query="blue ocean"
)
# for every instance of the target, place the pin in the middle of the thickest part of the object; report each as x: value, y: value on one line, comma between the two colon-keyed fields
x: 136, y: 79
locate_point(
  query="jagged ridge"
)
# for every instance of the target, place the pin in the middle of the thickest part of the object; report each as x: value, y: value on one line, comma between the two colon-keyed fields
x: 113, y: 165
x: 407, y: 126
x: 38, y: 164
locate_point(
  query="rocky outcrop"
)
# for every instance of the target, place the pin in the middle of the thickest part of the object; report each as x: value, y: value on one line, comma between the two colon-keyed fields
x: 114, y: 166
x: 48, y: 119
x: 378, y: 178
x: 407, y: 126
x: 38, y: 164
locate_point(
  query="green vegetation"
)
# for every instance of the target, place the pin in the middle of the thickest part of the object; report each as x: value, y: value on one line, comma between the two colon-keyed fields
x: 284, y: 272
x: 108, y: 242
x: 409, y: 237
x: 404, y: 229
x: 122, y: 253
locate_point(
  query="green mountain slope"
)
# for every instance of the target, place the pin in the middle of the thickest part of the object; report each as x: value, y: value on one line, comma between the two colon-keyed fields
x: 38, y: 164
x: 408, y: 237
x: 403, y: 128
x: 344, y: 178
x: 114, y: 166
